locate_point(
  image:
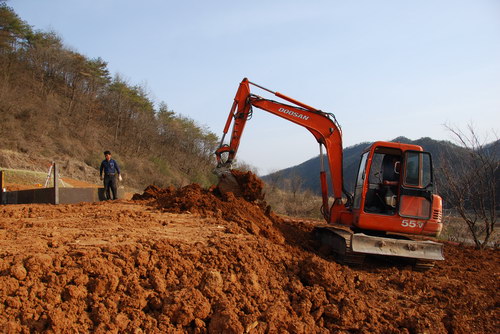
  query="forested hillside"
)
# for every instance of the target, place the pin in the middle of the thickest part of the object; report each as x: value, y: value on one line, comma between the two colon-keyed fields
x: 57, y: 104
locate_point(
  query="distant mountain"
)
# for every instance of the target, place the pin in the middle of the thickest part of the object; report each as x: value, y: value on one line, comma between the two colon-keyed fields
x: 308, y: 171
x: 494, y: 148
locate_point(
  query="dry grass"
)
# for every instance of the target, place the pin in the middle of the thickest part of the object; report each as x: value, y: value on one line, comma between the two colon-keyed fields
x: 303, y: 204
x: 455, y: 229
x: 24, y: 177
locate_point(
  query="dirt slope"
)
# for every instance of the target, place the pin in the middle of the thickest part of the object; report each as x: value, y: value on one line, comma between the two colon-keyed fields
x: 189, y: 260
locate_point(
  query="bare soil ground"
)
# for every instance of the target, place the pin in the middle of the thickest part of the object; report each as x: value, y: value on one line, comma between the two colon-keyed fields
x: 190, y: 260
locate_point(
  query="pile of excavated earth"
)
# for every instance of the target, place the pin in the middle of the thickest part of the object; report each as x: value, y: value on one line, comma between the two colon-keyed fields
x: 193, y: 260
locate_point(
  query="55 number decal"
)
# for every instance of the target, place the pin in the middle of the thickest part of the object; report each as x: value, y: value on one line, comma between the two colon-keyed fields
x: 411, y: 223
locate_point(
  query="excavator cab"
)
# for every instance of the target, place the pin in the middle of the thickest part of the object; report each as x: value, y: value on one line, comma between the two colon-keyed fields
x: 393, y: 202
x: 394, y: 191
x: 383, y: 181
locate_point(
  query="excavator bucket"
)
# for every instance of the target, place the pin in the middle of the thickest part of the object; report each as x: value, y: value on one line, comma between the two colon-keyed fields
x: 227, y: 181
x: 241, y: 183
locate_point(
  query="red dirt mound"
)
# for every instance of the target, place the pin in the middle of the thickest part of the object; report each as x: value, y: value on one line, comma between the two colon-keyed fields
x: 254, y: 217
x: 191, y: 260
x: 251, y: 186
x: 150, y: 192
x: 246, y: 211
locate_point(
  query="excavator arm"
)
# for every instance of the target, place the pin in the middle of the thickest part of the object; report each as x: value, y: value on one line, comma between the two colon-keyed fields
x: 323, y: 127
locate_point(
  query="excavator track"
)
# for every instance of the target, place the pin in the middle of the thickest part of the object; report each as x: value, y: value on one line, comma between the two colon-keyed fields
x: 337, y: 242
x: 423, y: 265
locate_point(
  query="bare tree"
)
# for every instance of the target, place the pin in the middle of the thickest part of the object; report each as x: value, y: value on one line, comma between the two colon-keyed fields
x: 274, y: 179
x: 472, y: 185
x: 295, y: 182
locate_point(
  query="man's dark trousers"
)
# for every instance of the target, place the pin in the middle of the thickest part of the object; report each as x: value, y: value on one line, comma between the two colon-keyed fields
x: 110, y: 184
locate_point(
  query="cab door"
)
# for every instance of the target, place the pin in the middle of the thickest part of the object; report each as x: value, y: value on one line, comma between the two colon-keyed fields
x: 417, y: 187
x: 360, y: 179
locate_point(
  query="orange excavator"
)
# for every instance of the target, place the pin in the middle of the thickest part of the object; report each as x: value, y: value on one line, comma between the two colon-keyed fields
x: 393, y: 207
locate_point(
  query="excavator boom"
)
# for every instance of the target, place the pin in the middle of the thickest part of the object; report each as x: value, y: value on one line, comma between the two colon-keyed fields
x: 323, y: 126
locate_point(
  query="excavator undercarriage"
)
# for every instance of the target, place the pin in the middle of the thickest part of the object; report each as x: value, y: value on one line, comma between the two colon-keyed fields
x: 351, y: 248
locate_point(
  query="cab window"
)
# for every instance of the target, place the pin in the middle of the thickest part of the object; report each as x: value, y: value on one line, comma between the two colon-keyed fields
x: 418, y: 169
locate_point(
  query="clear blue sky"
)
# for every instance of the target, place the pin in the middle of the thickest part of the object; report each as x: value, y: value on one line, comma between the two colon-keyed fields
x: 385, y: 68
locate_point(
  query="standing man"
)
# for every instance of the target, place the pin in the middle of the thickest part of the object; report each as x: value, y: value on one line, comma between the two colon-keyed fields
x: 111, y: 170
